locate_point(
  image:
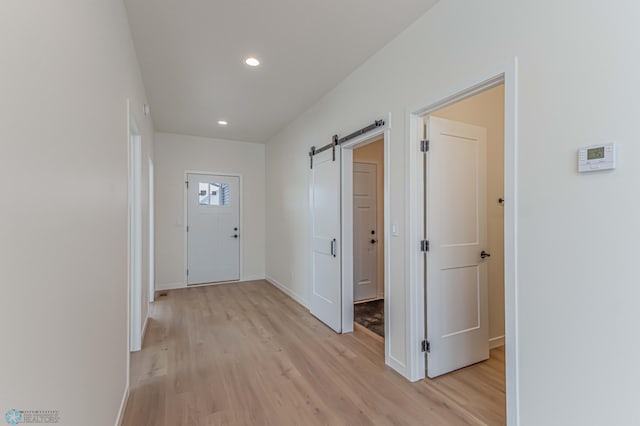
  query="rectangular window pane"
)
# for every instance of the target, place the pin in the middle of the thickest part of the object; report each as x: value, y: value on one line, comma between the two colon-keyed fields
x: 225, y: 197
x: 214, y: 194
x: 203, y: 194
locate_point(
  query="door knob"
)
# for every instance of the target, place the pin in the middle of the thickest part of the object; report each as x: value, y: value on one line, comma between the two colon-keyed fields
x: 484, y: 254
x: 235, y: 236
x: 374, y: 241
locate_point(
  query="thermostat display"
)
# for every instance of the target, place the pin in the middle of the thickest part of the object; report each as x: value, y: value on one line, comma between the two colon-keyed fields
x: 595, y: 153
x: 597, y: 157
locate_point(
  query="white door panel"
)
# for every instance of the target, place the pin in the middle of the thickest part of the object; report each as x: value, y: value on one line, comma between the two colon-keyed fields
x: 365, y: 233
x: 324, y: 194
x: 461, y: 297
x: 457, y: 287
x: 213, y: 221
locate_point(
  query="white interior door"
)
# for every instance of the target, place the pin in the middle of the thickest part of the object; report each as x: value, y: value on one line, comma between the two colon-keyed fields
x: 365, y: 232
x: 326, y: 284
x: 213, y: 228
x: 457, y: 288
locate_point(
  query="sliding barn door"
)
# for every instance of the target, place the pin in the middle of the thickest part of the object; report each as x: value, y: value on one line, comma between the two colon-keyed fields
x: 324, y: 195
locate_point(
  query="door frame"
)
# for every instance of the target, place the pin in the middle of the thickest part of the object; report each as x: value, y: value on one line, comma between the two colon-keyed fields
x: 134, y: 231
x: 506, y: 73
x: 152, y: 232
x: 347, y: 231
x: 186, y: 218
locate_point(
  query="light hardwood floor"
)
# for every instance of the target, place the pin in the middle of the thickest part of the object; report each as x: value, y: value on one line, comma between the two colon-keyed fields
x: 247, y: 354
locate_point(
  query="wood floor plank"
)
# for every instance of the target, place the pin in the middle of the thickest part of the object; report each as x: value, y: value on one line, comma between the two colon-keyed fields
x: 247, y: 354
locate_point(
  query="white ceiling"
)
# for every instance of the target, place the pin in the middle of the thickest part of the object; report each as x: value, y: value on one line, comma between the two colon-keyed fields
x: 192, y: 57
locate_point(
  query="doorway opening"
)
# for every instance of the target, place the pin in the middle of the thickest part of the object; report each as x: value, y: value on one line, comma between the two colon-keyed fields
x: 464, y: 224
x: 366, y: 254
x: 368, y: 238
x: 331, y: 200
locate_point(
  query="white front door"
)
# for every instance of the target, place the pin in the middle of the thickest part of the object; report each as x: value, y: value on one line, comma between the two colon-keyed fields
x: 213, y: 228
x: 324, y: 197
x: 457, y: 288
x: 365, y: 232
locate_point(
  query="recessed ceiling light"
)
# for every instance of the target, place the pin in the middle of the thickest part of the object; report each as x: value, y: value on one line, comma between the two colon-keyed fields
x: 222, y: 123
x: 252, y: 62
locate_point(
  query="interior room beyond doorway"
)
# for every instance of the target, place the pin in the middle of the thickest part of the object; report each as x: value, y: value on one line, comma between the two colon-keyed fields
x: 368, y: 236
x: 486, y: 109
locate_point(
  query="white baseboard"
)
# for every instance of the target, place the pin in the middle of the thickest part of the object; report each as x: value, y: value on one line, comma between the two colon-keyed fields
x: 176, y: 286
x: 169, y: 286
x: 292, y: 294
x: 400, y: 368
x: 144, y: 327
x: 496, y: 342
x: 357, y: 302
x: 123, y: 406
x: 253, y: 278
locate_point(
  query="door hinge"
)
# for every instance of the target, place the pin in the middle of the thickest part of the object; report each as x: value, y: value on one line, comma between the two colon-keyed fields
x: 426, y: 346
x: 424, y: 245
x: 187, y: 183
x: 187, y: 228
x: 424, y: 145
x: 187, y: 272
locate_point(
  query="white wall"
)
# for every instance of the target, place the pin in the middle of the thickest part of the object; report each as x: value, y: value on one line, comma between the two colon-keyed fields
x: 67, y: 69
x: 578, y: 285
x: 486, y: 109
x: 176, y: 154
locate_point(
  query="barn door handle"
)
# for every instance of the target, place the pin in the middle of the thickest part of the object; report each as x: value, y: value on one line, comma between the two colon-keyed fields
x: 333, y: 247
x: 484, y: 254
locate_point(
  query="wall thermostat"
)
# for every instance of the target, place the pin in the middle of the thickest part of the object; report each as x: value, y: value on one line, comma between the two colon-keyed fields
x: 597, y: 157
